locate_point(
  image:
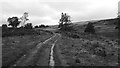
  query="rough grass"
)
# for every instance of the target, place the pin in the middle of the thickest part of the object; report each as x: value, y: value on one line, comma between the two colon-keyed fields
x: 100, y: 49
x: 13, y: 47
x: 18, y: 32
x: 83, y: 52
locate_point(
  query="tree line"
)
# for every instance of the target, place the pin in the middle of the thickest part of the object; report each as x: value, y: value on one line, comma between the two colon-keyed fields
x: 14, y: 22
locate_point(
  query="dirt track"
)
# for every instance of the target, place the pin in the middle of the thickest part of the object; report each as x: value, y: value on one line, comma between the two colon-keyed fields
x: 40, y: 55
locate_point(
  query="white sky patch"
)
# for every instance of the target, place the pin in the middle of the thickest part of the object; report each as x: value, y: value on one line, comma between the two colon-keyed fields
x: 49, y: 11
x: 119, y: 8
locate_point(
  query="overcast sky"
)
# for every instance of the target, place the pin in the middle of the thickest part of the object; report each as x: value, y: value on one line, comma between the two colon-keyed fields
x: 48, y: 11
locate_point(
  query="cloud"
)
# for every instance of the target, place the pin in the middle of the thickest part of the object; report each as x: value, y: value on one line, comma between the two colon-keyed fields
x: 38, y: 12
x: 48, y: 11
x: 87, y: 9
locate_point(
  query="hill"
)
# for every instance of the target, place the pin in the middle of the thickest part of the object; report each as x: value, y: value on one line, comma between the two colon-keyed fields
x: 83, y: 49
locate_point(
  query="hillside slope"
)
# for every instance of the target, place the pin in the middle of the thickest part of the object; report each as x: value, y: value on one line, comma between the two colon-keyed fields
x: 83, y: 49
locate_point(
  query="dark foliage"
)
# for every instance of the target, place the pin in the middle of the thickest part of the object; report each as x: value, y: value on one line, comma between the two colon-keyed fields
x: 36, y: 26
x: 4, y: 26
x: 60, y: 25
x: 28, y: 26
x: 67, y: 27
x: 90, y: 28
x: 47, y: 26
x: 42, y: 26
x: 13, y: 22
x: 68, y: 30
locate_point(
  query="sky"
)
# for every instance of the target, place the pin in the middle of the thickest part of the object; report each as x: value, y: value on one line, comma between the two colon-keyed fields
x: 48, y: 12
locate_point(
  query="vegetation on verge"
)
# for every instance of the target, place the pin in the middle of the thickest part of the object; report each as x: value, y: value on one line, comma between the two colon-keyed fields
x: 14, y: 22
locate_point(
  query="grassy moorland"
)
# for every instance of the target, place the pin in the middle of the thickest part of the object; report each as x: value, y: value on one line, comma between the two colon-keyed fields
x: 19, y: 42
x: 81, y: 49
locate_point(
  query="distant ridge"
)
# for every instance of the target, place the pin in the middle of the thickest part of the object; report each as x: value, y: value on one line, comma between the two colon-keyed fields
x: 102, y: 21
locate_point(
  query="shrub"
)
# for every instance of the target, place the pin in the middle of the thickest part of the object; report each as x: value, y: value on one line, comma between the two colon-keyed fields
x: 90, y: 28
x: 67, y: 27
x: 41, y: 26
x: 47, y: 26
x: 4, y: 26
x: 36, y: 26
x: 28, y: 26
